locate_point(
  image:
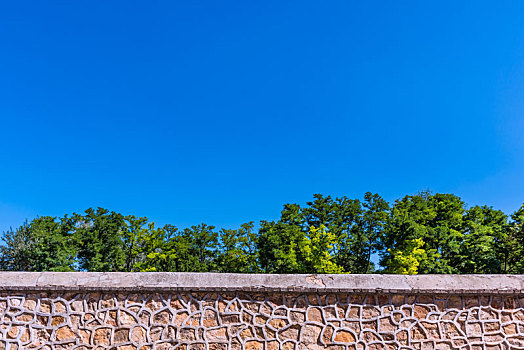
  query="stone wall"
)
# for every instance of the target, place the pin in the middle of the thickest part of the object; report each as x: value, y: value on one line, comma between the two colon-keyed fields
x: 227, y: 311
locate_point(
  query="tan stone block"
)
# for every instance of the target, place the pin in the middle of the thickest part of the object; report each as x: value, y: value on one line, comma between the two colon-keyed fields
x: 187, y: 334
x: 26, y: 335
x: 420, y: 311
x: 311, y: 334
x: 65, y: 333
x: 254, y: 345
x: 138, y: 334
x: 230, y: 319
x: 277, y: 323
x: 30, y: 302
x: 60, y: 307
x: 57, y: 320
x: 377, y: 346
x: 488, y: 314
x: 369, y: 312
x: 386, y: 325
x: 25, y: 317
x: 273, y: 345
x: 372, y: 325
x: 353, y: 312
x: 102, y: 336
x: 45, y: 306
x: 210, y: 318
x: 516, y: 340
x: 288, y: 346
x: 155, y: 333
x: 13, y: 332
x: 327, y: 335
x: 217, y: 334
x: 217, y: 346
x: 402, y: 336
x: 454, y: 302
x: 509, y: 329
x: 491, y: 326
x: 162, y: 317
x: 314, y: 314
x: 155, y: 303
x: 431, y: 329
x: 289, y: 333
x: 126, y: 347
x: 121, y: 335
x: 344, y: 336
x: 145, y: 318
x: 519, y: 315
x: 246, y: 333
x: 85, y: 336
x: 417, y: 332
x: 494, y: 338
x: 369, y: 336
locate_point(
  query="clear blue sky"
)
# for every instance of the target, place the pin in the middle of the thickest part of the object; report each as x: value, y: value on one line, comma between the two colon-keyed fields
x: 222, y: 111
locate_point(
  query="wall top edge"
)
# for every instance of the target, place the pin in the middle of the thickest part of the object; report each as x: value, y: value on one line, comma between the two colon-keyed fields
x: 180, y: 281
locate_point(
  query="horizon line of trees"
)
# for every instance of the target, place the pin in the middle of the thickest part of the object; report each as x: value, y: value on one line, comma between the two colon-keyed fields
x: 417, y: 234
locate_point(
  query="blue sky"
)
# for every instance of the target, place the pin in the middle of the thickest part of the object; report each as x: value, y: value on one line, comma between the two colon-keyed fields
x: 221, y: 112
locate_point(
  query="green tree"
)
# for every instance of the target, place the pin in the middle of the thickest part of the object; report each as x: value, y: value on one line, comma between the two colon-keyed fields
x: 133, y: 236
x: 406, y: 261
x: 368, y: 233
x: 515, y: 242
x: 16, y: 252
x: 100, y: 235
x: 237, y: 251
x: 45, y: 244
x: 437, y: 220
x: 316, y: 252
x: 483, y: 248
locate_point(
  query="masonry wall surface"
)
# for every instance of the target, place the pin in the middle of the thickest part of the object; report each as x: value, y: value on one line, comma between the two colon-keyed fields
x: 229, y: 311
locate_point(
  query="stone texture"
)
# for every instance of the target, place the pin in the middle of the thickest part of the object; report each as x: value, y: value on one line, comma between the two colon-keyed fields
x: 220, y: 319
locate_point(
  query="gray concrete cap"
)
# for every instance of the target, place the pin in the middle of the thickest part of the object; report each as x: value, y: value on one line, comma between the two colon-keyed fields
x: 178, y: 281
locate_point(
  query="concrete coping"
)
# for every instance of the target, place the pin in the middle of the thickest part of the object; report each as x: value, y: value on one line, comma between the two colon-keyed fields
x: 223, y: 282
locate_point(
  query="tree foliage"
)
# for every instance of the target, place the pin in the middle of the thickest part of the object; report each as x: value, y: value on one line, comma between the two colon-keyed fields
x: 421, y: 233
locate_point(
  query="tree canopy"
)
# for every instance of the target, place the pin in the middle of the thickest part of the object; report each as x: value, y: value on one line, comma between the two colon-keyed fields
x: 417, y: 234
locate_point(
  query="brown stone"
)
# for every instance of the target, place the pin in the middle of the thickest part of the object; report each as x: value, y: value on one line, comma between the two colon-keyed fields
x: 102, y: 336
x: 217, y: 334
x: 311, y: 334
x: 327, y: 335
x: 289, y: 333
x: 254, y: 345
x: 314, y: 314
x: 121, y: 335
x: 420, y: 311
x: 454, y: 302
x: 386, y: 325
x: 138, y: 334
x: 370, y: 312
x: 344, y: 336
x: 187, y: 334
x: 65, y: 333
x: 277, y: 323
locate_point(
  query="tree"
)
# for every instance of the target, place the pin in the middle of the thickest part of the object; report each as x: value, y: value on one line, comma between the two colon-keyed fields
x: 100, y: 235
x: 237, y: 251
x: 515, y: 242
x: 316, y: 252
x: 17, y: 250
x: 434, y: 219
x: 369, y: 231
x: 483, y: 248
x: 133, y: 237
x: 45, y: 244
